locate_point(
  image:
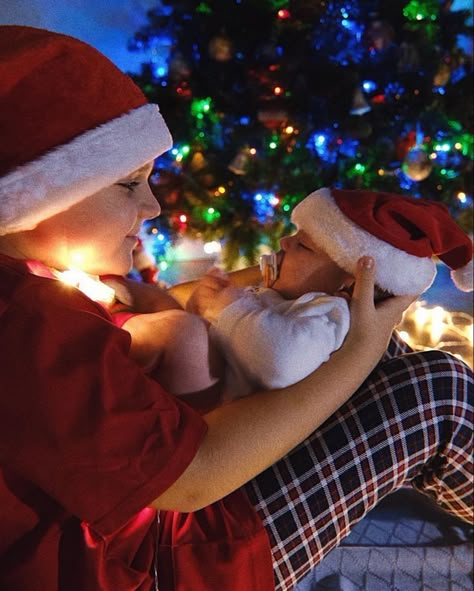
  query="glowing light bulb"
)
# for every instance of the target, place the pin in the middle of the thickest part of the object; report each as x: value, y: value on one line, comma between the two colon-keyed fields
x: 90, y: 285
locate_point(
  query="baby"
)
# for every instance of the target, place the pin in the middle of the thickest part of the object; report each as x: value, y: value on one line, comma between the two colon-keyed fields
x: 276, y: 334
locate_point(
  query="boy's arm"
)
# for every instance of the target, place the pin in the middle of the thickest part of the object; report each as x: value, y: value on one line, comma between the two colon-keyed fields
x: 248, y: 435
x: 145, y: 298
x: 279, y: 346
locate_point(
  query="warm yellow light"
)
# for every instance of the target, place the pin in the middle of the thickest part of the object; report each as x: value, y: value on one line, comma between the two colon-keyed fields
x: 90, y: 285
x: 439, y: 320
x: 436, y: 328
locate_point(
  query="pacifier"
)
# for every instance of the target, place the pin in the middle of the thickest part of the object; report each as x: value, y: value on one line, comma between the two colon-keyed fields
x: 269, y: 268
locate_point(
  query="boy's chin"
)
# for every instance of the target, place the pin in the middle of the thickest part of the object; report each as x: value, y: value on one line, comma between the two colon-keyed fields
x: 115, y: 267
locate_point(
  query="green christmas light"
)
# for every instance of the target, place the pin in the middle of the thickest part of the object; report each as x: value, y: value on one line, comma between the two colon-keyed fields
x: 203, y: 8
x: 277, y: 4
x: 181, y: 152
x: 359, y: 168
x: 211, y: 215
x: 200, y: 107
x: 421, y: 10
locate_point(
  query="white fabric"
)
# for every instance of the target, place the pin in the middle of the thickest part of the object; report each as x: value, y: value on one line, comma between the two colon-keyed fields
x: 270, y: 342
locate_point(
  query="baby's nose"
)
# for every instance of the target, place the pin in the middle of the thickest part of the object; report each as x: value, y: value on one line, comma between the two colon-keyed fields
x: 286, y: 242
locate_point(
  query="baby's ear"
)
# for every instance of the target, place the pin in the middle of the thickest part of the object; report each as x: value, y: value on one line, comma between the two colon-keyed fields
x: 381, y: 294
x: 347, y: 285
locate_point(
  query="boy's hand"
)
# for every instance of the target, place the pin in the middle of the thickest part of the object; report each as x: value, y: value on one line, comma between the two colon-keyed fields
x: 213, y: 293
x: 141, y: 297
x: 372, y: 323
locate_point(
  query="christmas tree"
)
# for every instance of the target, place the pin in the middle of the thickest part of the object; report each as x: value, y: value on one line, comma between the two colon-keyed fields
x: 268, y: 100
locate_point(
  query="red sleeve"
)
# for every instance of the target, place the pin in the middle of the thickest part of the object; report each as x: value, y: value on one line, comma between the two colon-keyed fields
x: 79, y: 418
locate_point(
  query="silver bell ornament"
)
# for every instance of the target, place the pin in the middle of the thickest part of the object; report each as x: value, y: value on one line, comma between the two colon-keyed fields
x: 239, y: 164
x: 359, y: 105
x: 417, y: 166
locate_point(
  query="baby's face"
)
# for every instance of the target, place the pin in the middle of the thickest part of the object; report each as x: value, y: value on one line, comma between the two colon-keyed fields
x: 305, y: 267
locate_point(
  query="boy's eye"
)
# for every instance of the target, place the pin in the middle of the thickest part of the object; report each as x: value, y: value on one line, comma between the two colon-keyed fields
x: 130, y: 185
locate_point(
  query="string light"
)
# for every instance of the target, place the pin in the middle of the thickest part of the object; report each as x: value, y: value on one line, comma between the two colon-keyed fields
x: 90, y: 285
x: 426, y: 328
x: 283, y: 13
x: 213, y: 247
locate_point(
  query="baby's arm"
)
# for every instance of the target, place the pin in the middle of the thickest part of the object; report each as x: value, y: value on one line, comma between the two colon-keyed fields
x: 212, y: 294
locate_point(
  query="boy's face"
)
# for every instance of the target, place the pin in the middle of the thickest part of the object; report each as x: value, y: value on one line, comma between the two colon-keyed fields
x: 305, y: 267
x: 99, y: 233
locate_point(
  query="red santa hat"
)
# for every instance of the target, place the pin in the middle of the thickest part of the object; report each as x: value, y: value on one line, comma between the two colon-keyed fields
x: 403, y: 235
x: 72, y: 123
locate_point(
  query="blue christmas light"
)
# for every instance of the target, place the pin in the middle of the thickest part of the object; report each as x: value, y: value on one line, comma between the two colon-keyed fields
x: 369, y: 85
x: 458, y: 74
x: 340, y: 33
x: 394, y: 90
x: 263, y: 205
x: 465, y: 201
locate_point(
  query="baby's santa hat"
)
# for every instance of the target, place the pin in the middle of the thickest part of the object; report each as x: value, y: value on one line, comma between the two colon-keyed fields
x: 403, y: 235
x: 71, y: 124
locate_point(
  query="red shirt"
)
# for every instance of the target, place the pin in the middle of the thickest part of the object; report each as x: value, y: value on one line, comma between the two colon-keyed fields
x: 87, y: 441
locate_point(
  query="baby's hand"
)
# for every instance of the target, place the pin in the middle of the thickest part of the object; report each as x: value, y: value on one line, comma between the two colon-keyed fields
x: 212, y: 294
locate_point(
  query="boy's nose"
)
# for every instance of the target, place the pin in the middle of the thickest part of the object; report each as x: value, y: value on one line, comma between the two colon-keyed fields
x: 150, y: 208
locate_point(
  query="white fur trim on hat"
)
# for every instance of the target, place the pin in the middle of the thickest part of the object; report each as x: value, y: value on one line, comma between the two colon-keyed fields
x: 345, y: 242
x: 463, y: 277
x: 71, y: 172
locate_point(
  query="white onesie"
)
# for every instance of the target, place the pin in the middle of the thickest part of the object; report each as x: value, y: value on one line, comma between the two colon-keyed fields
x: 270, y: 342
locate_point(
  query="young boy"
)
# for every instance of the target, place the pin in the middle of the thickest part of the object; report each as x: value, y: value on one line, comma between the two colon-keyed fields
x: 276, y: 335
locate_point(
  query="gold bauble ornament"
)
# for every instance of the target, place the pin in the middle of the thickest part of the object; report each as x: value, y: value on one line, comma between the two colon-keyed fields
x: 221, y: 48
x: 417, y: 166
